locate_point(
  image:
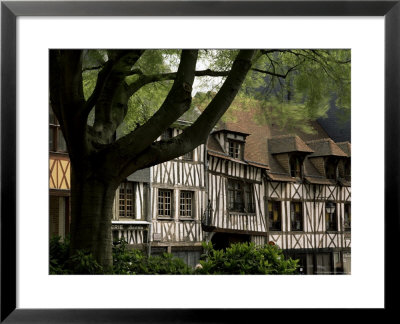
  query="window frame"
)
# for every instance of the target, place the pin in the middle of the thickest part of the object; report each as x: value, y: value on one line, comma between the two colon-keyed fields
x: 328, y: 226
x: 347, y: 169
x: 292, y: 215
x: 183, y: 212
x: 347, y: 228
x: 237, y: 146
x: 164, y: 203
x: 297, y: 163
x: 245, y: 191
x: 124, y: 186
x: 332, y: 166
x: 274, y: 203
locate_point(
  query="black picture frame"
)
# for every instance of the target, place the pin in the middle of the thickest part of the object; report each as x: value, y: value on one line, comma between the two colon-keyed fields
x: 10, y: 10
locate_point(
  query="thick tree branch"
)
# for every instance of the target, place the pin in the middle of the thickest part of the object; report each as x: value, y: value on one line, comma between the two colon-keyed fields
x: 147, y: 79
x: 176, y: 103
x: 198, y: 132
x: 66, y: 97
x: 121, y: 65
x: 110, y: 94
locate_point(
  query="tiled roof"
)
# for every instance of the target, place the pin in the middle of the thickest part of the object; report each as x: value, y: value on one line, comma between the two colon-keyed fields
x: 325, y: 147
x: 265, y: 141
x: 230, y: 131
x: 256, y: 149
x: 287, y: 144
x: 345, y: 147
x: 280, y: 177
x: 345, y: 183
x: 319, y: 180
x: 318, y: 132
x: 225, y: 156
x: 310, y: 170
x: 213, y: 145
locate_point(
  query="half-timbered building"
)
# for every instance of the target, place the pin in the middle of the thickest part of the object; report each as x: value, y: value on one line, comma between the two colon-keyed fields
x: 131, y: 213
x: 292, y: 190
x: 309, y: 203
x: 236, y: 211
x: 178, y: 202
x: 59, y: 180
x: 250, y: 182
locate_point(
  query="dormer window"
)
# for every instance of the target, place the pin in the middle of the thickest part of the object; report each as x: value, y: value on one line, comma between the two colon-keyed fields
x: 331, y: 169
x: 347, y: 170
x: 235, y: 149
x: 295, y: 167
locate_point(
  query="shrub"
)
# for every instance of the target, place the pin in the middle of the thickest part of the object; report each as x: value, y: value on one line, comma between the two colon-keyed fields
x: 245, y: 258
x: 133, y: 261
x: 59, y: 254
x: 62, y: 263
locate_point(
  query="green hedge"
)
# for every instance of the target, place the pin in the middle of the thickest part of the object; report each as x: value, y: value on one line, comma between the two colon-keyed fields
x: 245, y: 258
x: 241, y: 258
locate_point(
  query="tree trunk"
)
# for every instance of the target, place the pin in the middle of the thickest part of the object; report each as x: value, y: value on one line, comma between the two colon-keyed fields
x: 91, y: 209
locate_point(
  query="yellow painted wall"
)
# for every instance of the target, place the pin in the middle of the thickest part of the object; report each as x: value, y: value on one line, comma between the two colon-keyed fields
x: 60, y: 173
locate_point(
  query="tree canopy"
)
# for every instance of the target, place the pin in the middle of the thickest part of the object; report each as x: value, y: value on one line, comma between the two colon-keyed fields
x: 290, y: 87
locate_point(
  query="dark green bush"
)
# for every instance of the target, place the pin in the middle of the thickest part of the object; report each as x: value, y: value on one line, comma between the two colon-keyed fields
x: 62, y: 263
x: 242, y: 258
x: 245, y: 258
x: 59, y: 254
x: 132, y: 261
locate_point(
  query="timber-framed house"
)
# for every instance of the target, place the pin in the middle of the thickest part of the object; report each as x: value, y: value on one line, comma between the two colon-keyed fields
x: 59, y: 180
x: 292, y: 190
x: 249, y: 182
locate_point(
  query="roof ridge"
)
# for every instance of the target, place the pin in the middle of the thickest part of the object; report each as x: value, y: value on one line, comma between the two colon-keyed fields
x: 320, y: 140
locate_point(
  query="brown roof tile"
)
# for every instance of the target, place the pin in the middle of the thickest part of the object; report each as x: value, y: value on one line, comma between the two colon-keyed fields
x: 256, y: 149
x: 280, y: 177
x: 320, y: 180
x: 325, y: 147
x: 260, y: 152
x: 287, y: 144
x: 213, y: 145
x: 345, y: 147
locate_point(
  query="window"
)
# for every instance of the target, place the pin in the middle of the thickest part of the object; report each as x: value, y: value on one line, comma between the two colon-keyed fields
x: 235, y: 149
x: 295, y: 167
x: 274, y: 216
x: 296, y: 216
x: 330, y: 169
x: 330, y: 216
x: 347, y: 217
x: 188, y: 156
x: 324, y: 263
x: 56, y: 139
x: 165, y: 203
x: 186, y: 204
x: 126, y: 200
x: 240, y: 196
x: 347, y: 170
